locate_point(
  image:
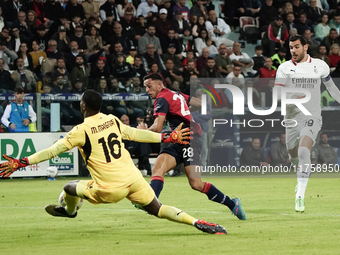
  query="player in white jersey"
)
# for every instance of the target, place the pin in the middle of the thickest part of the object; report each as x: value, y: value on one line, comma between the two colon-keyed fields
x: 303, y: 72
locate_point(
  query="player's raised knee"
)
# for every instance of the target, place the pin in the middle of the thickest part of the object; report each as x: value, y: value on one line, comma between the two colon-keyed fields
x: 70, y: 188
x: 159, y: 171
x: 196, y: 184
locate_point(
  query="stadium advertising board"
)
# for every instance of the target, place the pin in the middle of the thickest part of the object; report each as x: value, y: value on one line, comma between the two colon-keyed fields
x: 19, y: 145
x: 70, y: 97
x: 80, y: 1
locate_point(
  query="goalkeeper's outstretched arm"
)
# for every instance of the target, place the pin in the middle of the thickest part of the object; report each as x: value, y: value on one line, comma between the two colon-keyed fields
x: 179, y: 135
x: 46, y: 154
x: 12, y: 164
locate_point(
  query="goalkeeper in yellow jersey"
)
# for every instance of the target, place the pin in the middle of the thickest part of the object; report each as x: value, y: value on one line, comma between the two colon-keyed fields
x: 114, y: 175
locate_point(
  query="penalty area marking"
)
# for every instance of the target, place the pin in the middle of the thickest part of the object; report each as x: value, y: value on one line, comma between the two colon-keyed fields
x: 204, y: 212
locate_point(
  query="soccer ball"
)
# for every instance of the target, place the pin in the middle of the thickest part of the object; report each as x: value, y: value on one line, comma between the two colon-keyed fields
x: 62, y: 202
x: 52, y: 172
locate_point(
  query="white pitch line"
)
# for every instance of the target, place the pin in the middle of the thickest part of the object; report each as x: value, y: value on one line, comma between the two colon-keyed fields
x: 206, y: 212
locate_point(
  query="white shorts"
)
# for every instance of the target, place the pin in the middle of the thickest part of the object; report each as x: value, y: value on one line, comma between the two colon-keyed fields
x: 308, y: 126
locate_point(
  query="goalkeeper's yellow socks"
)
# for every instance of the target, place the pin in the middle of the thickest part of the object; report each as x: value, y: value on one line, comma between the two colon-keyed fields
x: 71, y: 203
x: 174, y: 214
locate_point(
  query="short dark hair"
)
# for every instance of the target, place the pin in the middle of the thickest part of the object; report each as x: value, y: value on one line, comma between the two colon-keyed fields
x: 283, y: 50
x: 321, y: 46
x: 258, y: 47
x: 80, y: 56
x: 302, y: 13
x: 209, y: 58
x: 302, y: 39
x: 109, y: 14
x: 92, y: 99
x: 47, y: 85
x: 49, y: 75
x: 19, y: 90
x: 91, y: 19
x: 153, y: 76
x: 333, y: 29
x: 170, y: 60
x: 151, y: 64
x: 138, y: 56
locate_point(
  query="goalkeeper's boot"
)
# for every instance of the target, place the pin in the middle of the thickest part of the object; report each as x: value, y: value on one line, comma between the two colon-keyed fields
x: 299, y: 205
x: 58, y: 211
x: 210, y: 228
x: 238, y: 211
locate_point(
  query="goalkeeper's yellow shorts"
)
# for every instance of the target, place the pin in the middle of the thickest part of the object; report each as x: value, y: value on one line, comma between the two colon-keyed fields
x: 139, y: 191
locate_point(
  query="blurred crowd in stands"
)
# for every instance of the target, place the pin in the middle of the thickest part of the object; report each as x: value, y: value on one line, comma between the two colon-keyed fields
x: 46, y: 46
x: 322, y: 154
x: 110, y: 45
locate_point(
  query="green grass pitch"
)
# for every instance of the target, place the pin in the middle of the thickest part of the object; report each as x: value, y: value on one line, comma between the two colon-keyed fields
x: 272, y: 225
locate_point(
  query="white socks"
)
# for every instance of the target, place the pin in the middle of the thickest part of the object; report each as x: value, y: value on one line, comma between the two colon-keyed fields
x: 294, y: 161
x: 303, y: 171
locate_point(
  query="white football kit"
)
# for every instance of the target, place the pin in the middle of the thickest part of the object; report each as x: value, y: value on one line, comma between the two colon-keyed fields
x: 306, y: 75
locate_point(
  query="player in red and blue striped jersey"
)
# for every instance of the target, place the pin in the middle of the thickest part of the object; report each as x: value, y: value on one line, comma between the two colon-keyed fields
x: 174, y: 106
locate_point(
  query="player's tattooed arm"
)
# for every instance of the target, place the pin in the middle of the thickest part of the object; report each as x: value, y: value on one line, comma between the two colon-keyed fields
x: 158, y: 123
x: 194, y: 101
x: 195, y: 104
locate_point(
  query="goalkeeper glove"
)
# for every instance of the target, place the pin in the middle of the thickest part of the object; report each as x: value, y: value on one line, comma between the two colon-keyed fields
x: 177, y: 136
x: 7, y: 168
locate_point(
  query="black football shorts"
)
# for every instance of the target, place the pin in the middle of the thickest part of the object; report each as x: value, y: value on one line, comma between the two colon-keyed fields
x: 189, y: 154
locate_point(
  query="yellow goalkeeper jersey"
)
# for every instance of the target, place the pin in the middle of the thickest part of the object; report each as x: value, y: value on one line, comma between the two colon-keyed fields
x: 99, y: 139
